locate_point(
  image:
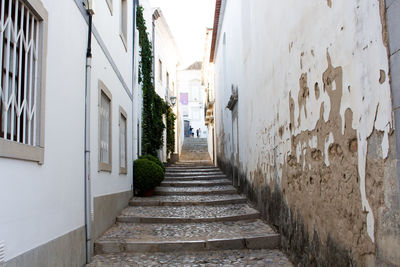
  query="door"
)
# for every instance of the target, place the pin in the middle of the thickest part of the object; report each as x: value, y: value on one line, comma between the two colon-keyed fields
x: 187, y: 128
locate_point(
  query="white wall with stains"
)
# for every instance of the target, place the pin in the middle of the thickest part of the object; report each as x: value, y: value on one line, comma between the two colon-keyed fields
x: 272, y: 50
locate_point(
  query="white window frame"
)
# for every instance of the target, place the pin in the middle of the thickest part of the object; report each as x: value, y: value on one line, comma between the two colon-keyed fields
x: 110, y: 6
x: 123, y: 115
x: 124, y: 20
x: 35, y: 152
x: 106, y: 167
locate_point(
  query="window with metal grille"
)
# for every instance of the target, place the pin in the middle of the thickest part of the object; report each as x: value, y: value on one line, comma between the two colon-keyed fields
x: 160, y: 70
x: 122, y: 141
x: 22, y: 51
x: 105, y: 116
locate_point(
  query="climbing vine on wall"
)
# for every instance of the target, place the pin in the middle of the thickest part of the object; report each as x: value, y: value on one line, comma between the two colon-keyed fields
x: 153, y: 105
x: 170, y: 130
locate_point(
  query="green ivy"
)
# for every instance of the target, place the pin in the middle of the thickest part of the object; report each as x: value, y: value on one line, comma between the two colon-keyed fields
x: 154, y: 107
x: 170, y: 130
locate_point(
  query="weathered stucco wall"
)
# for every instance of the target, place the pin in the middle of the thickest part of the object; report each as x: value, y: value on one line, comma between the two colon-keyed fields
x: 313, y: 144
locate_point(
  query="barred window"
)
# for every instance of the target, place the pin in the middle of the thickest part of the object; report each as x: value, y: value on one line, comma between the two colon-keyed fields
x: 104, y: 128
x: 122, y: 142
x: 21, y: 91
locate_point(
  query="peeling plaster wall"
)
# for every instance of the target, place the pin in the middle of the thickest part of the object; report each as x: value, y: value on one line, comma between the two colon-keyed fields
x: 315, y: 128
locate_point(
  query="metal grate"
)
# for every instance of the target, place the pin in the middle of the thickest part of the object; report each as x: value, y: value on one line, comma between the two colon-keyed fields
x: 19, y: 41
x: 2, y: 253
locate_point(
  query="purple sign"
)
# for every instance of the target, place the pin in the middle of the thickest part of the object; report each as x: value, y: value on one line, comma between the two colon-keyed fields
x: 184, y: 97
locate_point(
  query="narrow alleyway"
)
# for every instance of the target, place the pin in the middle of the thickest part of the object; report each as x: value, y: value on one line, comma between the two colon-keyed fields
x: 196, y: 218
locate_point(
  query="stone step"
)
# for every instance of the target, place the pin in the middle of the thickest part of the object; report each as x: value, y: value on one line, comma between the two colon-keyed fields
x: 205, y: 183
x: 183, y: 170
x: 178, y: 174
x: 197, y: 178
x: 143, y: 237
x: 188, y: 214
x: 188, y: 200
x: 196, y: 190
x: 243, y: 257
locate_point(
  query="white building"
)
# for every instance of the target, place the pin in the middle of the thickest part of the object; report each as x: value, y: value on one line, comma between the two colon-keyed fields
x: 207, y: 80
x: 42, y: 139
x: 305, y: 123
x: 165, y: 62
x: 191, y: 101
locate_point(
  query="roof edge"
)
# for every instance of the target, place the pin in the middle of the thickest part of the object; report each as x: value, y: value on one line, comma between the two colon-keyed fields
x: 215, y: 28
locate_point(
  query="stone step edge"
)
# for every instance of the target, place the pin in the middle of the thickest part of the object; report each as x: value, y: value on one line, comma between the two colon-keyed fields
x: 138, y: 219
x: 191, y: 174
x: 196, y: 193
x: 269, y: 241
x: 193, y: 184
x: 187, y: 203
x: 198, y: 177
x: 173, y: 170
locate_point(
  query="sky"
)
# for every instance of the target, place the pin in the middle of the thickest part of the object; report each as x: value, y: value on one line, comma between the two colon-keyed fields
x: 188, y: 20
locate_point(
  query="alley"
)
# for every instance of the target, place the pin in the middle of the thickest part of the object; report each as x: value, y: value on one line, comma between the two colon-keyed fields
x: 196, y: 218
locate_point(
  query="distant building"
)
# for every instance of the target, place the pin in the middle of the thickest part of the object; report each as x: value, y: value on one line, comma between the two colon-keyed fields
x: 207, y: 80
x: 191, y: 101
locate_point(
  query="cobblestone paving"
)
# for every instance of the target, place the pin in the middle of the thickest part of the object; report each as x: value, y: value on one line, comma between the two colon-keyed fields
x: 189, y: 211
x: 199, y: 224
x: 202, y: 182
x: 193, y: 198
x: 195, y: 189
x: 268, y: 258
x: 186, y: 231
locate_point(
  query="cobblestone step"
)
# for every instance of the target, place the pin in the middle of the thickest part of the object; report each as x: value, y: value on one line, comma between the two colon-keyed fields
x: 244, y: 257
x: 189, y: 174
x: 184, y: 168
x: 189, y: 170
x: 188, y: 214
x: 188, y: 200
x: 198, y: 190
x: 134, y: 237
x: 198, y: 177
x: 204, y: 183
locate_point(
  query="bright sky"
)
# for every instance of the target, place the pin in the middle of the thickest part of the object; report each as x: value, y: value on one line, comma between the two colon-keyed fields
x: 188, y: 20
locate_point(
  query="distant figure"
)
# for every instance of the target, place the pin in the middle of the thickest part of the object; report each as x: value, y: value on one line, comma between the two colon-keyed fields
x: 198, y: 133
x: 191, y: 131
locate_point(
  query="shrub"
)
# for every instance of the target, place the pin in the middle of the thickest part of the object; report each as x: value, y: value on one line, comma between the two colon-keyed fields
x: 155, y: 160
x: 147, y: 175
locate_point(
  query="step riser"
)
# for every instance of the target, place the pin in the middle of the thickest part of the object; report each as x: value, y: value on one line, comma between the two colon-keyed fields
x: 226, y: 192
x: 182, y: 203
x: 172, y: 184
x: 199, y: 178
x: 191, y: 174
x: 264, y: 242
x: 133, y: 219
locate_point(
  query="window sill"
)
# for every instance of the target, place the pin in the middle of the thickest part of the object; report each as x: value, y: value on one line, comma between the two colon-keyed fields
x: 123, y: 171
x: 104, y: 167
x: 124, y: 41
x: 15, y: 150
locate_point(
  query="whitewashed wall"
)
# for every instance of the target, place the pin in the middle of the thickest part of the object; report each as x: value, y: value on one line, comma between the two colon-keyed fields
x: 265, y: 48
x: 43, y: 202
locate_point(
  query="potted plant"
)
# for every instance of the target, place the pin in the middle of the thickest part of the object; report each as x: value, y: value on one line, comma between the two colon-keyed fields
x: 147, y: 175
x: 155, y: 160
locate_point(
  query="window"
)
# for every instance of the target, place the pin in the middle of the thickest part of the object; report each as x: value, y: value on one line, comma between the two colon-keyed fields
x: 110, y: 6
x: 124, y: 23
x: 105, y: 116
x: 122, y: 142
x: 160, y: 70
x: 22, y: 79
x: 167, y: 80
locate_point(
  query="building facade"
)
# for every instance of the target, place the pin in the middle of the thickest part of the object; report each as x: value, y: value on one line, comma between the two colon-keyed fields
x: 207, y: 80
x: 42, y: 143
x: 305, y: 117
x: 191, y: 102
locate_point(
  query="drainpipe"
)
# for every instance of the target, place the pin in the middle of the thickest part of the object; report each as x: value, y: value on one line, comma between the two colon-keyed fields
x: 88, y: 197
x: 133, y: 86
